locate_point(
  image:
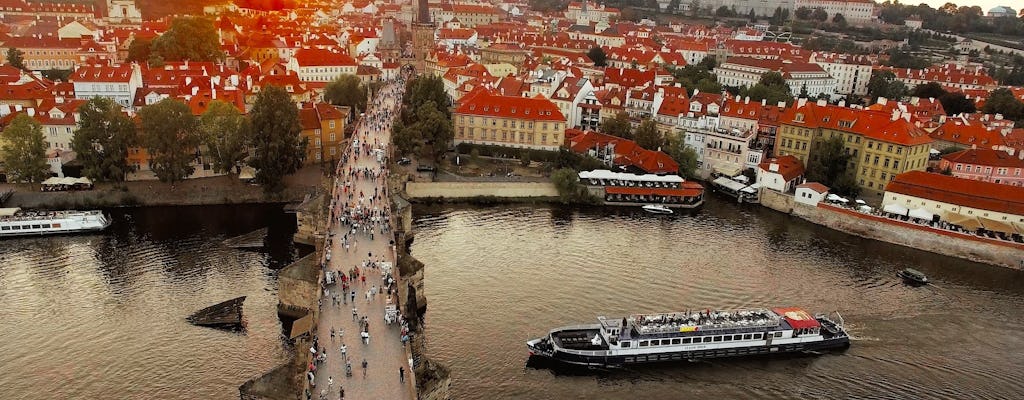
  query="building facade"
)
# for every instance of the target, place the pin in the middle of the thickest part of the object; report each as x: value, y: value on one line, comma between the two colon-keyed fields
x: 520, y: 122
x: 985, y: 165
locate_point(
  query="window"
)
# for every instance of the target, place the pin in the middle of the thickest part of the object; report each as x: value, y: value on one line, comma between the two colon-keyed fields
x: 778, y: 334
x: 746, y: 336
x: 895, y: 164
x: 707, y: 339
x: 626, y: 344
x: 665, y: 342
x: 686, y: 340
x: 675, y: 341
x: 718, y: 338
x: 643, y: 343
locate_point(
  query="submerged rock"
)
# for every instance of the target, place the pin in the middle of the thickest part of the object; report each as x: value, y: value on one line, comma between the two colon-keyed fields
x: 225, y: 315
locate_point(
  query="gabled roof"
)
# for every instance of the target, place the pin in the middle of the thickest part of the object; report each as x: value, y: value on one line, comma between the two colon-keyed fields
x: 788, y: 166
x: 988, y: 157
x: 323, y: 58
x: 870, y: 124
x: 968, y: 134
x: 483, y: 102
x: 964, y: 192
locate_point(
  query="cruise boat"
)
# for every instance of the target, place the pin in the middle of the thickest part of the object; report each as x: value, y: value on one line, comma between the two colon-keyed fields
x: 690, y: 335
x: 913, y: 276
x: 657, y: 209
x: 15, y: 222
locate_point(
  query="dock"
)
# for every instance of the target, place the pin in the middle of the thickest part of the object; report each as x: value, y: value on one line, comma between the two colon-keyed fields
x: 251, y: 240
x: 224, y: 315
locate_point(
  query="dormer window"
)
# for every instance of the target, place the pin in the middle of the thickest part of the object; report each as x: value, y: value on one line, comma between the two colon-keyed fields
x: 799, y: 117
x: 472, y: 107
x: 513, y: 110
x: 486, y: 108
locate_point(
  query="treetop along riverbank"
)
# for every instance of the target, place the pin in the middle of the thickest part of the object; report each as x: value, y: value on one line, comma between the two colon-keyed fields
x: 226, y: 189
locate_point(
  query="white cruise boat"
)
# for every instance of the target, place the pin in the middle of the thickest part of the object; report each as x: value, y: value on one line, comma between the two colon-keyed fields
x: 690, y: 335
x: 657, y: 209
x: 15, y: 222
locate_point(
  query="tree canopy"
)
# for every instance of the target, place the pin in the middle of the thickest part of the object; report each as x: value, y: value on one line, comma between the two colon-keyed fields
x: 279, y: 150
x: 346, y: 90
x: 23, y: 149
x: 102, y: 140
x: 684, y: 155
x: 425, y: 89
x: 772, y: 87
x: 647, y: 136
x: 829, y: 167
x: 226, y: 134
x: 16, y: 58
x: 428, y: 135
x: 596, y: 54
x: 697, y: 76
x: 188, y: 38
x: 139, y: 50
x: 1002, y: 101
x: 883, y: 83
x: 171, y: 136
x: 618, y: 126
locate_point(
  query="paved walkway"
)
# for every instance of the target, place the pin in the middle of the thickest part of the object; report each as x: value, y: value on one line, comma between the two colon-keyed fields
x: 362, y: 221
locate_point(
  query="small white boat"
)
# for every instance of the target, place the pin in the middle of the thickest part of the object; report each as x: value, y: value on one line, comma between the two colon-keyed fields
x: 657, y: 209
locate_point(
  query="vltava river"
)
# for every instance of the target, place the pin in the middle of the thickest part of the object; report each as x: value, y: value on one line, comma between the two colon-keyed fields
x: 103, y: 316
x: 496, y: 277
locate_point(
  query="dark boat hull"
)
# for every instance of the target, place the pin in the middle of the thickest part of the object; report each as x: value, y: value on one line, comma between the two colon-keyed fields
x: 618, y: 361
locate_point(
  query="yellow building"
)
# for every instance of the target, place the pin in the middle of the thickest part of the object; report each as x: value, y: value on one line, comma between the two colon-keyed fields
x: 323, y: 125
x: 882, y: 145
x: 483, y: 117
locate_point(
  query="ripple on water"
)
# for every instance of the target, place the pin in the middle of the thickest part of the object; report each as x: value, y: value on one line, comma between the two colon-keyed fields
x: 496, y: 277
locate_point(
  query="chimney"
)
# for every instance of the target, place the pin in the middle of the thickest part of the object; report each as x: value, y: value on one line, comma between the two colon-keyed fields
x: 895, y: 115
x: 764, y: 102
x: 842, y: 103
x: 781, y: 104
x: 801, y: 102
x: 882, y: 100
x: 822, y: 102
x: 746, y: 100
x: 31, y: 112
x: 195, y: 90
x: 213, y: 93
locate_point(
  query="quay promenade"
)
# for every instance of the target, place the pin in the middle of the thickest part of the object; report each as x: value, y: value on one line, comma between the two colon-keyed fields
x: 355, y: 287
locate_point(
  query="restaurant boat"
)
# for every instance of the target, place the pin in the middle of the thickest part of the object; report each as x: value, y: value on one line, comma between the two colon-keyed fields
x: 15, y: 222
x: 691, y: 335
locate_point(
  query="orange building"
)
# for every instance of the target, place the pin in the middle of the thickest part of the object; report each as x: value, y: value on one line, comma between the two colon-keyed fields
x: 324, y: 126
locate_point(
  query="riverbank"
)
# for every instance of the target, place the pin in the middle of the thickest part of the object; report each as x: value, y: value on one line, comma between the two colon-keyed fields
x: 920, y: 237
x: 226, y: 189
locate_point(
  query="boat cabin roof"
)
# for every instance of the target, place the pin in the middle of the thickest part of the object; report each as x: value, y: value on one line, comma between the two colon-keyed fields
x: 715, y: 321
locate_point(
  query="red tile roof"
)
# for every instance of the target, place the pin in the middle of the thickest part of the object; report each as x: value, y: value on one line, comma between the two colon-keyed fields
x: 789, y: 167
x: 963, y: 192
x: 627, y: 152
x: 871, y: 124
x: 968, y: 134
x: 321, y: 58
x: 484, y: 103
x: 987, y: 157
x: 815, y: 186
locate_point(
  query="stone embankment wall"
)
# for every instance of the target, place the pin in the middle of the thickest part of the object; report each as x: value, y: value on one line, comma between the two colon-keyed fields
x: 466, y: 190
x: 776, y: 201
x: 913, y: 236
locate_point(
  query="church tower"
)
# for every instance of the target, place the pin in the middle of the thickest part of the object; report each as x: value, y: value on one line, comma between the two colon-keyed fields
x: 422, y: 36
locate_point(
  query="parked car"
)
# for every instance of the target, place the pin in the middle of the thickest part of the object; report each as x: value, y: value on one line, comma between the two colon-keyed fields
x: 404, y: 161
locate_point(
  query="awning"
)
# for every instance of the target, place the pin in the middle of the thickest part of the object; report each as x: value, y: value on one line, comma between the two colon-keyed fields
x: 967, y: 222
x: 728, y: 184
x: 921, y: 213
x: 52, y: 181
x: 894, y: 209
x: 729, y: 170
x: 7, y: 212
x: 301, y: 326
x: 865, y: 208
x: 997, y: 226
x: 83, y: 181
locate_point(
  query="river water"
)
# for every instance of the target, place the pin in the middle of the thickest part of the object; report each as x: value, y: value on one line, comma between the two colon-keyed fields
x: 498, y: 276
x: 102, y: 316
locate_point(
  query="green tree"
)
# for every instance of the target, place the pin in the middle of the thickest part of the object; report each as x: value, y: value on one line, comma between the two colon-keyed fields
x: 647, y: 136
x: 596, y: 54
x: 883, y: 83
x: 724, y: 12
x: 24, y: 150
x: 673, y: 6
x: 829, y: 163
x: 279, y: 150
x: 819, y: 14
x: 139, y: 50
x: 1002, y: 101
x: 684, y: 155
x: 55, y: 74
x: 803, y: 13
x: 16, y: 58
x: 434, y: 131
x: 618, y: 126
x: 772, y: 87
x: 957, y: 103
x: 346, y: 90
x: 525, y: 157
x: 752, y: 16
x: 932, y: 90
x: 423, y: 89
x: 566, y: 181
x: 171, y: 136
x: 226, y: 135
x: 188, y: 38
x: 839, y: 19
x: 694, y: 8
x: 102, y: 140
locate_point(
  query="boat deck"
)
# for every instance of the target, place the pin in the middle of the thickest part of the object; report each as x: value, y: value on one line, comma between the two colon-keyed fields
x: 579, y: 339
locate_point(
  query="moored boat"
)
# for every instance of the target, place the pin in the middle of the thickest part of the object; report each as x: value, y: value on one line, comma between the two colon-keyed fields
x: 15, y: 222
x: 657, y: 209
x: 913, y: 276
x: 690, y: 335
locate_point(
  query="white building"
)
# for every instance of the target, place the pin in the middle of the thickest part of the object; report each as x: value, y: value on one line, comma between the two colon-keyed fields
x: 747, y: 71
x: 811, y: 193
x: 117, y: 82
x: 781, y: 174
x: 854, y: 11
x: 851, y: 72
x: 123, y: 12
x: 319, y: 65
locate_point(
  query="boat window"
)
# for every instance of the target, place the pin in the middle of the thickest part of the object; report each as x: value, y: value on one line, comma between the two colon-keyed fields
x: 718, y: 338
x: 778, y: 334
x: 675, y: 341
x: 757, y: 336
x: 5, y: 228
x: 746, y: 337
x: 643, y: 343
x: 16, y: 227
x: 625, y: 344
x: 707, y: 339
x: 46, y: 225
x: 35, y: 226
x: 665, y: 342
